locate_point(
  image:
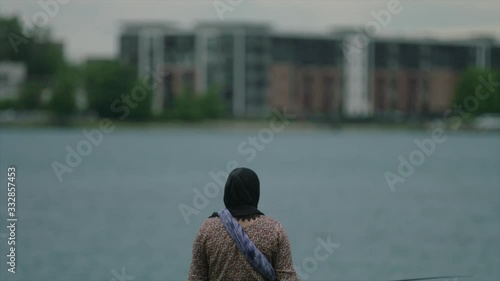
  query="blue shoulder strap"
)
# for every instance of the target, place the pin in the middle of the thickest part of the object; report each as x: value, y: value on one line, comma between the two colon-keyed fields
x: 255, y: 257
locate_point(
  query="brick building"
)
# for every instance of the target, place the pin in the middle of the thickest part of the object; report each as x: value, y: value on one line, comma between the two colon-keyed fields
x: 256, y: 69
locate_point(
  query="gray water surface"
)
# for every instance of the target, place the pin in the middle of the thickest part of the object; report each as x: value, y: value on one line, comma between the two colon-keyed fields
x: 119, y: 208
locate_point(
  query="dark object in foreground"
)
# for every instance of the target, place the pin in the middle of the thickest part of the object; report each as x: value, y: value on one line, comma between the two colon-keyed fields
x: 432, y: 278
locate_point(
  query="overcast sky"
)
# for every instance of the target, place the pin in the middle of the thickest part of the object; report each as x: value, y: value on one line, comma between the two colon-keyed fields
x: 90, y: 28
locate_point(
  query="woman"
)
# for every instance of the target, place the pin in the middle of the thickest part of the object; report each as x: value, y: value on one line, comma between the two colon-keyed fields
x: 220, y: 252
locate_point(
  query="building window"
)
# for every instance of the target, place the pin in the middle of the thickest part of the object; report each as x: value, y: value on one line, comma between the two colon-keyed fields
x: 328, y: 94
x: 379, y: 95
x: 308, y: 93
x: 394, y: 93
x: 425, y: 89
x: 412, y: 96
x: 425, y: 94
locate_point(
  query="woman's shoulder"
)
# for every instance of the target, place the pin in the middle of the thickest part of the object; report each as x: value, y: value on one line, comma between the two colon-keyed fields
x: 211, y: 223
x: 269, y: 220
x: 214, y: 223
x: 272, y: 223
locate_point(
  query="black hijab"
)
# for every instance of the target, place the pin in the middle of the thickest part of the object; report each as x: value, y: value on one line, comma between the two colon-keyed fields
x: 241, y: 194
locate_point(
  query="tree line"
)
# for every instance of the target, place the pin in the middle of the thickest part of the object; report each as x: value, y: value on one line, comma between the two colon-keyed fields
x: 105, y: 82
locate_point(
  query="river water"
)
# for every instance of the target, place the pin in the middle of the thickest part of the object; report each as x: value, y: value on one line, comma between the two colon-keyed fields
x: 116, y: 215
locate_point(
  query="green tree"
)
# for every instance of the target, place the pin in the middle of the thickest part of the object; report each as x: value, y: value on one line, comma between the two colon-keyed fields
x: 43, y: 57
x: 211, y: 104
x: 187, y: 107
x: 107, y: 83
x: 469, y: 82
x: 29, y: 98
x: 9, y: 104
x: 142, y: 99
x: 62, y: 102
x: 13, y: 42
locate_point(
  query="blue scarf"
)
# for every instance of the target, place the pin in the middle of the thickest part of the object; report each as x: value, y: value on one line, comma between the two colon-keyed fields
x: 258, y: 261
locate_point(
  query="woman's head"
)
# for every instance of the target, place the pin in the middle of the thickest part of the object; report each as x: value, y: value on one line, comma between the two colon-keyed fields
x: 242, y: 189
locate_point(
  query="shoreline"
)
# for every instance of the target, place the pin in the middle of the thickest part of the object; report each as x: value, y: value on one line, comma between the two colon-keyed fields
x: 240, y: 125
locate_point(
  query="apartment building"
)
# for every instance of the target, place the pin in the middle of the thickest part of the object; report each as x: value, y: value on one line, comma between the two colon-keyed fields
x: 306, y: 76
x: 235, y: 59
x: 255, y: 69
x: 417, y: 77
x: 232, y: 58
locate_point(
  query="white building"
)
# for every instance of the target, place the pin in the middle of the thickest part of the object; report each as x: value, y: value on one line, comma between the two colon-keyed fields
x: 12, y: 76
x: 356, y: 78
